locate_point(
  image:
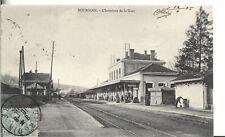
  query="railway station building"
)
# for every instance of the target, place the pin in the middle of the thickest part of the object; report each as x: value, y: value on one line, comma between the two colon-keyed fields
x: 138, y: 78
x: 37, y: 85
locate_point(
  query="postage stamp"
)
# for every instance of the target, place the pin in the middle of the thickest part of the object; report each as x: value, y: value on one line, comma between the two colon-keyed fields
x: 19, y: 121
x: 19, y: 116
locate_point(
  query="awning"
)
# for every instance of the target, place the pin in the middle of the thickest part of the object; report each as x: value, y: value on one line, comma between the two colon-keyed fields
x: 116, y: 82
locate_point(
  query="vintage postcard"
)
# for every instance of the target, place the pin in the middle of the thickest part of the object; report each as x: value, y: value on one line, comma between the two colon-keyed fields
x: 107, y: 71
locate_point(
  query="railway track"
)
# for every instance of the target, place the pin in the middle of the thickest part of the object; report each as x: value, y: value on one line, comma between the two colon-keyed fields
x: 130, y: 127
x: 105, y: 121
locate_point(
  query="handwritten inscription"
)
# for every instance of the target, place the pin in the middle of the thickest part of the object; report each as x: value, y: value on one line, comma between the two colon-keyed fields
x: 165, y: 12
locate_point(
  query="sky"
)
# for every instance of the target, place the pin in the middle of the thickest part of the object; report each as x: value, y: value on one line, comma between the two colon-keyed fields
x: 84, y: 41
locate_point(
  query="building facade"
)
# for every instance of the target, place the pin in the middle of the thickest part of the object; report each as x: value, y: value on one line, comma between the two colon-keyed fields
x: 36, y: 84
x: 197, y: 88
x: 132, y: 78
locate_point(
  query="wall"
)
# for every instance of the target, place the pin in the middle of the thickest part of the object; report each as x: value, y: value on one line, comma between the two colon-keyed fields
x: 116, y: 66
x: 146, y: 78
x: 193, y: 92
x: 157, y: 79
x: 130, y: 66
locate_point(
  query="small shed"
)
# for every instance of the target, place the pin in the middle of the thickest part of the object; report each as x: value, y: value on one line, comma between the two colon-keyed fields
x: 36, y: 83
x: 164, y: 95
x: 197, y: 88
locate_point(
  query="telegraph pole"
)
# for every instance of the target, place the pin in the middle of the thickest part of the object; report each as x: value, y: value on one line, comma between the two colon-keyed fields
x: 50, y: 79
x: 52, y: 60
x: 20, y: 72
x: 36, y: 79
x: 23, y: 60
x: 36, y: 67
x: 58, y: 87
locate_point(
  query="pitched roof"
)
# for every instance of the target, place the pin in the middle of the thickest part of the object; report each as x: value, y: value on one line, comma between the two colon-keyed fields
x: 188, y: 76
x: 40, y: 77
x: 204, y: 76
x: 153, y: 68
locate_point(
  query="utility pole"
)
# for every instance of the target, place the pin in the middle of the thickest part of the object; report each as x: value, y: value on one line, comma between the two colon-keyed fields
x: 23, y: 59
x: 50, y: 79
x: 58, y: 87
x: 20, y: 71
x: 36, y: 79
x: 52, y: 60
x: 36, y: 67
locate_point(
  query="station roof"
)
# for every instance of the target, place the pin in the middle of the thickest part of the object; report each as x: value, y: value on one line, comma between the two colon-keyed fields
x: 198, y: 76
x: 153, y: 68
x: 39, y: 77
x: 115, y: 82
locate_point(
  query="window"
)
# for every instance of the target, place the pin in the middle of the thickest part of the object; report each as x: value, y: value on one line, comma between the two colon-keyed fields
x: 162, y: 84
x: 148, y: 86
x: 113, y: 75
x: 119, y: 72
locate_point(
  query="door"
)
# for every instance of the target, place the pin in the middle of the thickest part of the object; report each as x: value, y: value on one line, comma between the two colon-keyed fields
x: 148, y: 86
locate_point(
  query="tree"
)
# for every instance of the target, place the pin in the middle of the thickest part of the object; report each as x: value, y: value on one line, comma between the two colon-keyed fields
x: 197, y: 54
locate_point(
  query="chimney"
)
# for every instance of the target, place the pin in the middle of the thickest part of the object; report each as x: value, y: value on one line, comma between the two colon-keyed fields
x: 131, y: 53
x: 126, y: 54
x: 152, y: 55
x: 36, y: 67
x: 145, y: 52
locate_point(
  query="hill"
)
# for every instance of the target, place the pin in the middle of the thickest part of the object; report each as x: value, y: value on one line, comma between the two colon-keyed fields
x: 71, y: 89
x: 65, y: 88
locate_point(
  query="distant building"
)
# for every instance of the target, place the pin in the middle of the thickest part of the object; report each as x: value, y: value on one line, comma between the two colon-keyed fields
x: 36, y: 84
x: 197, y: 88
x: 133, y: 77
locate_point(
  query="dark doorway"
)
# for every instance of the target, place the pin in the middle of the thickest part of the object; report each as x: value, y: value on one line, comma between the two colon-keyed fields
x: 147, y: 93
